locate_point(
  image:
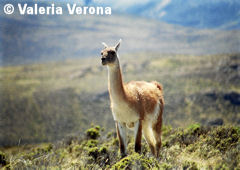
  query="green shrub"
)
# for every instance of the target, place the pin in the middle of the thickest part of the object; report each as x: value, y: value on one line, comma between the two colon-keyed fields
x: 93, y: 152
x: 92, y: 143
x: 190, y: 165
x: 3, y: 160
x: 103, y: 150
x: 93, y: 133
x: 136, y: 161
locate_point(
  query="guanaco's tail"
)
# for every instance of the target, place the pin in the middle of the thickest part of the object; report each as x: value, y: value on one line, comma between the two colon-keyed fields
x: 159, y: 86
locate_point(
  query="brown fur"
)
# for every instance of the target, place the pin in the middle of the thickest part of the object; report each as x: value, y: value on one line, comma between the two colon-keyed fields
x: 157, y: 128
x: 142, y: 96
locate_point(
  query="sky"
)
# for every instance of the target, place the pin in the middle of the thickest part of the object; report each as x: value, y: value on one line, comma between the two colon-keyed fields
x: 202, y: 14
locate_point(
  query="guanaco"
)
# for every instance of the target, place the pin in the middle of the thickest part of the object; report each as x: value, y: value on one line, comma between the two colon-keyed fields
x: 137, y: 105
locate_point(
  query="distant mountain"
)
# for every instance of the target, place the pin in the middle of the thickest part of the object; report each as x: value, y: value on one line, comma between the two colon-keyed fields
x: 217, y: 14
x: 27, y: 39
x: 204, y: 14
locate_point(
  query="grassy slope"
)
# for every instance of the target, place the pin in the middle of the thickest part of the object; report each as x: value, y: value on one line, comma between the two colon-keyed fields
x: 192, y: 148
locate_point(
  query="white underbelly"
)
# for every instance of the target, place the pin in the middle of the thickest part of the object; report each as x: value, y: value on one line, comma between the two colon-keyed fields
x: 123, y: 113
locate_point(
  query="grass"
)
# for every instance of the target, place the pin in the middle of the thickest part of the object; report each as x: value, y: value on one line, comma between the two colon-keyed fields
x: 195, y: 147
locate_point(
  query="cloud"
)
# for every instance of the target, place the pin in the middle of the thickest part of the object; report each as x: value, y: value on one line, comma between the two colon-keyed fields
x: 162, y: 4
x: 162, y: 14
x: 130, y: 2
x: 122, y: 3
x: 230, y: 24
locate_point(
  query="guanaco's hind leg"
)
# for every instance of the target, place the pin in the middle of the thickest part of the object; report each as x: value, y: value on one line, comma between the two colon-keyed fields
x: 121, y: 133
x: 157, y: 129
x: 148, y: 135
x: 157, y: 136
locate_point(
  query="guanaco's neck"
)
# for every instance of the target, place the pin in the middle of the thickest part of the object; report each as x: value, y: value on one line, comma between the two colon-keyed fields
x: 115, y: 82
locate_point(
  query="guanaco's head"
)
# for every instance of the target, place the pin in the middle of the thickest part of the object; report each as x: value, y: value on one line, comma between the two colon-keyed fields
x: 109, y: 54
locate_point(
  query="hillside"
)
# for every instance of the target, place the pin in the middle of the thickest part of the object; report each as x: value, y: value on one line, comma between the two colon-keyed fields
x: 204, y: 14
x: 34, y: 39
x: 195, y: 147
x: 48, y: 102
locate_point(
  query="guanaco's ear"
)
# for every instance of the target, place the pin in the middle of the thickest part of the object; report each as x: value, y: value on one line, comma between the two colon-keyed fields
x: 118, y: 45
x: 104, y: 44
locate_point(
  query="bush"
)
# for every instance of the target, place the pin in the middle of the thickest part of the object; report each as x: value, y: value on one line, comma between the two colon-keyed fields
x: 3, y: 161
x: 93, y: 133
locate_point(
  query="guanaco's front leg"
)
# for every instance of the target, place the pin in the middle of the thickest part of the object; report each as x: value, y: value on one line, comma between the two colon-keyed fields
x: 121, y: 132
x: 138, y: 135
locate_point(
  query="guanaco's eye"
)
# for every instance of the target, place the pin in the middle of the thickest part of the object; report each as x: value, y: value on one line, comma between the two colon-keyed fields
x: 101, y: 53
x: 112, y: 52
